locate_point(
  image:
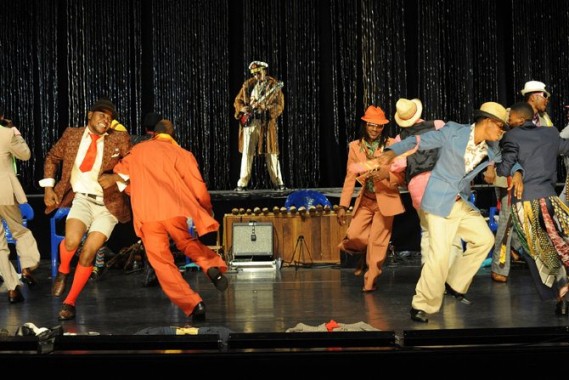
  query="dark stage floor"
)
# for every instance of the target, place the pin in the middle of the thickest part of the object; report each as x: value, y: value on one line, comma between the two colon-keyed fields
x: 504, y: 320
x: 265, y: 300
x: 270, y: 300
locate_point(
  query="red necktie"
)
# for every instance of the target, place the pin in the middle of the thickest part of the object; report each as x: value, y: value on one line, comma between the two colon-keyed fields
x: 89, y: 159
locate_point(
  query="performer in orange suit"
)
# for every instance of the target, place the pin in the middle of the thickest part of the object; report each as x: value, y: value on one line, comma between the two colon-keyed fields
x: 378, y: 200
x: 166, y: 187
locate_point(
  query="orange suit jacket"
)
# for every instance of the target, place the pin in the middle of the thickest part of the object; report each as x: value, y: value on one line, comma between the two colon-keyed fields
x: 386, y: 190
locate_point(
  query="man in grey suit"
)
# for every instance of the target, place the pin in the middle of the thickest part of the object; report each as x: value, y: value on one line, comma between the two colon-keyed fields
x: 465, y: 150
x: 13, y: 145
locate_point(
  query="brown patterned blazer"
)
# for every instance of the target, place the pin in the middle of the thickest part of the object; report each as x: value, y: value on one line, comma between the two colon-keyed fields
x: 64, y: 152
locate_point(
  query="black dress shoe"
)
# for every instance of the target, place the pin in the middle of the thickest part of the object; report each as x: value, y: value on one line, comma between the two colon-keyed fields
x: 219, y: 280
x: 419, y: 316
x: 15, y: 296
x: 198, y: 314
x: 459, y: 296
x: 561, y: 308
x: 28, y: 279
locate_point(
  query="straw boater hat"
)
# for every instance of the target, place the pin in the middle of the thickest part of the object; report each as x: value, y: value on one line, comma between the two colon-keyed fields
x: 534, y: 86
x: 375, y: 115
x: 494, y: 111
x: 408, y: 112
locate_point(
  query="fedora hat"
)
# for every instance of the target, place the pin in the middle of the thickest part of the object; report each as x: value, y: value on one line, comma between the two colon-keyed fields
x: 375, y: 115
x: 256, y: 64
x: 408, y: 112
x: 534, y: 86
x: 494, y: 111
x: 105, y: 105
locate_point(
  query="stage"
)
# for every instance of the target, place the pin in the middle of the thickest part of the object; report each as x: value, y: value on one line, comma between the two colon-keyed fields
x: 280, y: 316
x: 289, y: 313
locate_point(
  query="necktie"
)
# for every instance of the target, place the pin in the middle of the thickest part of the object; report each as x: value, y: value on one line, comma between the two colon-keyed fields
x: 89, y: 159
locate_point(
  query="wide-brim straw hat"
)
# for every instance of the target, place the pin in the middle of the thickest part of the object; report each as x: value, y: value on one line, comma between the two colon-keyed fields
x: 408, y: 112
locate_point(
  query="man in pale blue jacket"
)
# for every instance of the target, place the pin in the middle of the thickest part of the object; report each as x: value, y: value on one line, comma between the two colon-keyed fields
x: 465, y: 150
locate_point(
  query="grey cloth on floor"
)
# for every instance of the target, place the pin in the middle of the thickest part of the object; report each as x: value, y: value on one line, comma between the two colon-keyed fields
x: 358, y: 326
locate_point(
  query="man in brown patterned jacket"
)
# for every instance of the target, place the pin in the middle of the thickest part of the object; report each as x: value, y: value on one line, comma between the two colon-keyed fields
x: 87, y: 156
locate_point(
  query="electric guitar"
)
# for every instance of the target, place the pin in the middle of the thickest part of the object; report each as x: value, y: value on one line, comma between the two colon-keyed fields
x: 245, y: 118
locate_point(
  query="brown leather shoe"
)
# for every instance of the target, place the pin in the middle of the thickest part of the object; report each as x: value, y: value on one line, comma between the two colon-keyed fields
x: 27, y: 278
x: 15, y: 296
x: 59, y: 283
x: 499, y: 277
x: 66, y: 313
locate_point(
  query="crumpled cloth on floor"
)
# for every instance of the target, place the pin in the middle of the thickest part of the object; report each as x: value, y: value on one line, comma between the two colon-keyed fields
x: 333, y: 326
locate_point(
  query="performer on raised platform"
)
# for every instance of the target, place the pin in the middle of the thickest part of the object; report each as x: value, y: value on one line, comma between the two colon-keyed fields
x: 257, y: 106
x: 378, y: 200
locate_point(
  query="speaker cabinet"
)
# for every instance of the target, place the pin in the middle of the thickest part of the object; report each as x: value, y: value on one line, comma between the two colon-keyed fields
x: 252, y: 240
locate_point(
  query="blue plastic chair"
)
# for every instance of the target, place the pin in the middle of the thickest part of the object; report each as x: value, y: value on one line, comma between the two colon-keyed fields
x: 306, y: 198
x: 60, y: 214
x: 189, y: 263
x: 27, y: 215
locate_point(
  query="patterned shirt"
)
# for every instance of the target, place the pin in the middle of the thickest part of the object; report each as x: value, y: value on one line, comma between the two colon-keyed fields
x: 474, y: 154
x: 370, y: 147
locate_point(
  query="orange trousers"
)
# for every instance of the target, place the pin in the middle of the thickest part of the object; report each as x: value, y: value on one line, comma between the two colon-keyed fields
x: 156, y: 239
x: 369, y: 231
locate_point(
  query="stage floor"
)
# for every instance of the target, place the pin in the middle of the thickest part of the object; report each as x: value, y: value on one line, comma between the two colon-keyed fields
x: 506, y: 321
x: 272, y: 300
x: 121, y: 324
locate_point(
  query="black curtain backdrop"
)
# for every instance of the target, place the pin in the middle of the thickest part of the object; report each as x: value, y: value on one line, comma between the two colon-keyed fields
x: 187, y: 59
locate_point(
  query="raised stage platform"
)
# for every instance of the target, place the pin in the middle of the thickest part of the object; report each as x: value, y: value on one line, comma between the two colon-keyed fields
x: 121, y: 323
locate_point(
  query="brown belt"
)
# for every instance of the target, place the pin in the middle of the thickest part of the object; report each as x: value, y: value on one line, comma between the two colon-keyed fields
x: 97, y: 198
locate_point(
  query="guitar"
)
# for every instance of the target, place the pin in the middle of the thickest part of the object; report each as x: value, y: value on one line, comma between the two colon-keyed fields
x: 245, y: 118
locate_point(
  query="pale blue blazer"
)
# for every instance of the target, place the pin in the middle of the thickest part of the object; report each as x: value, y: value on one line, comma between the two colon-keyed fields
x: 449, y: 178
